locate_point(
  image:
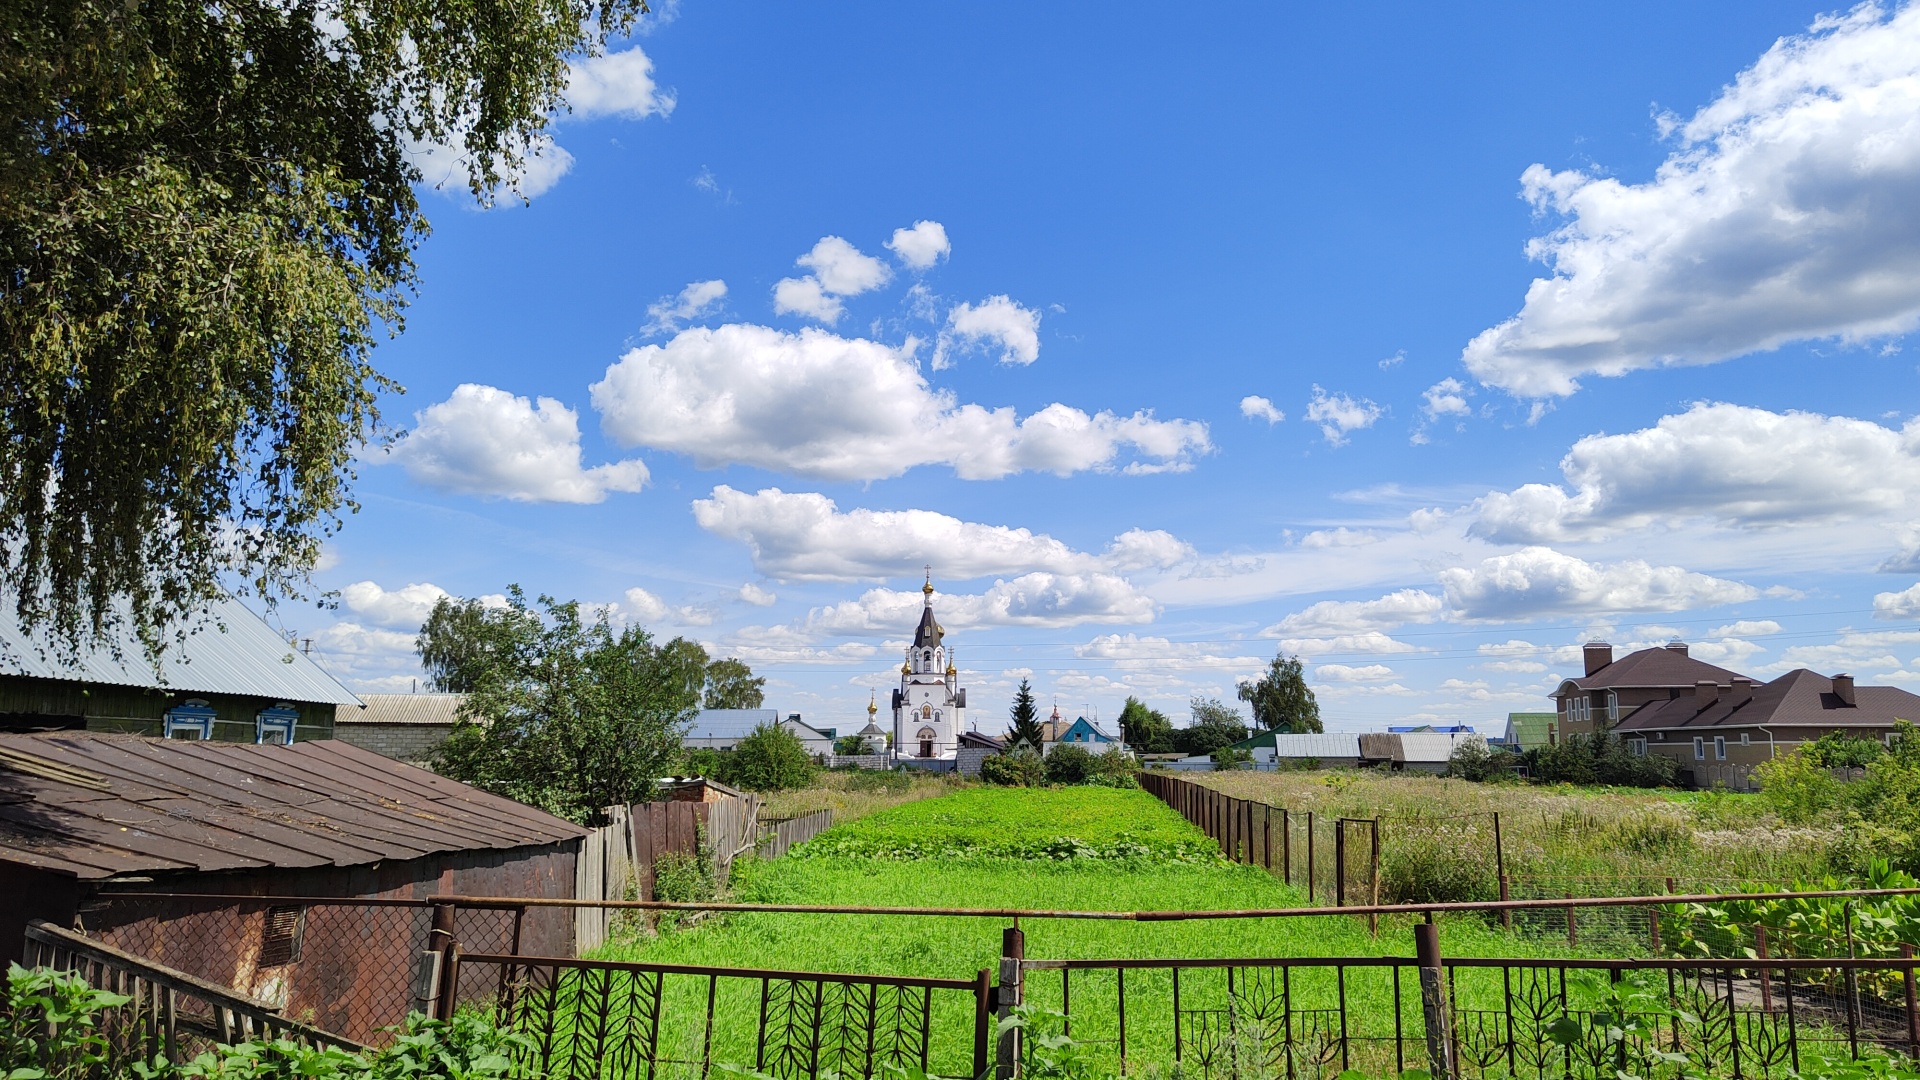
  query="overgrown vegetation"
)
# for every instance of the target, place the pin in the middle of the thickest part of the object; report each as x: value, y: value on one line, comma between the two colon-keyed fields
x: 1874, y: 817
x: 1437, y: 838
x: 1065, y: 765
x: 50, y: 1029
x: 1599, y: 758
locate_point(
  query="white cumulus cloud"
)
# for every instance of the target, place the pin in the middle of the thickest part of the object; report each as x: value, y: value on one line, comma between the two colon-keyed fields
x: 407, y: 606
x: 997, y: 320
x: 1745, y: 628
x: 1339, y: 414
x: 839, y: 270
x: 670, y: 313
x: 1448, y: 397
x: 1787, y: 211
x: 808, y: 404
x: 616, y: 84
x: 1038, y: 599
x: 1730, y: 464
x: 1347, y: 673
x: 1903, y: 605
x: 757, y: 595
x: 1539, y: 581
x: 486, y: 441
x: 1255, y: 407
x: 920, y: 246
x: 804, y: 536
x: 1336, y: 617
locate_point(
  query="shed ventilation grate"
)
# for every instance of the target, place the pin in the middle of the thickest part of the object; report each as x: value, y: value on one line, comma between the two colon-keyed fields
x: 280, y: 936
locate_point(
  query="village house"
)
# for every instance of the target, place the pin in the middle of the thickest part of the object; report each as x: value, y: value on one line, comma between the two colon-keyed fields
x: 722, y: 729
x: 1611, y: 688
x: 405, y: 727
x: 1080, y: 732
x: 1720, y: 734
x: 229, y: 677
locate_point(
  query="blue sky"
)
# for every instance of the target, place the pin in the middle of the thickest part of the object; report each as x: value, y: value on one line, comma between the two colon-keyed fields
x: 1424, y: 344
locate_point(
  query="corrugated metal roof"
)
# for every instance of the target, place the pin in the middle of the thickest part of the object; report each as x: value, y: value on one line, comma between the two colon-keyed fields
x: 404, y: 709
x: 729, y: 723
x: 227, y: 650
x: 1330, y: 744
x: 93, y: 805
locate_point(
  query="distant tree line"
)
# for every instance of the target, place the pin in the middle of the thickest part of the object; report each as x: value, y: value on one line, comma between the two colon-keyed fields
x: 1281, y: 702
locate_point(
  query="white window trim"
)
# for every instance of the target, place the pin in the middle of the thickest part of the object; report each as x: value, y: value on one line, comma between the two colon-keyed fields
x: 1699, y: 748
x: 1719, y: 748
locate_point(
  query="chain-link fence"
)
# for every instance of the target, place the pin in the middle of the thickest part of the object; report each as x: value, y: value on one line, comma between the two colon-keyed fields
x: 345, y: 966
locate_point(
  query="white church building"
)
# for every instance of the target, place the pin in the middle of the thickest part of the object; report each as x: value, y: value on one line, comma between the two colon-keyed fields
x: 930, y: 706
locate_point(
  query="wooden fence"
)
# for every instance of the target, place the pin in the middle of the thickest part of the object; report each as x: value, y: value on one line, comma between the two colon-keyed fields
x: 170, y: 1012
x: 617, y: 859
x: 779, y: 834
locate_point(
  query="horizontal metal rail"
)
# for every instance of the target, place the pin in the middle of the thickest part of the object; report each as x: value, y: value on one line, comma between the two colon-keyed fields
x: 1466, y: 906
x: 1721, y: 963
x: 732, y: 972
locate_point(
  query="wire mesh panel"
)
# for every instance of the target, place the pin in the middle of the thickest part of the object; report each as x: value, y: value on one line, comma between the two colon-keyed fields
x: 344, y: 967
x: 618, y: 1021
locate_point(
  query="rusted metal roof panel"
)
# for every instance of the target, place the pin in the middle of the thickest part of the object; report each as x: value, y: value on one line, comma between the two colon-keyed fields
x: 227, y: 649
x: 95, y: 805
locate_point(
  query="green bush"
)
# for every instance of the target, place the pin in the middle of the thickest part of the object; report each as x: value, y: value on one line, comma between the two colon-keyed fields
x: 49, y: 1030
x: 1020, y: 768
x: 1114, y: 768
x: 771, y: 758
x: 1474, y: 760
x: 1600, y: 758
x: 1068, y: 764
x: 1226, y: 759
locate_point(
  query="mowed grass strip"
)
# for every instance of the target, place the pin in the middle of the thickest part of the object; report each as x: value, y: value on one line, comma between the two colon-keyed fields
x: 1058, y: 824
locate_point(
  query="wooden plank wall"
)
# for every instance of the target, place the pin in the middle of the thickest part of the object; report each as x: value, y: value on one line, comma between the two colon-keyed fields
x: 603, y: 872
x: 616, y: 861
x: 791, y: 831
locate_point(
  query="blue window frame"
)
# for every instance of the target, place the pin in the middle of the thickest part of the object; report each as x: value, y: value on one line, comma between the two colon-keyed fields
x: 190, y: 719
x: 276, y: 725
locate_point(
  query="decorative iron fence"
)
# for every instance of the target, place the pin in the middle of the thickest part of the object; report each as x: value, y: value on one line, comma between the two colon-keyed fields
x: 622, y: 1021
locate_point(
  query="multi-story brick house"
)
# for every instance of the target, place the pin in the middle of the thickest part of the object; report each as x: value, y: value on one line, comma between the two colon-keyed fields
x: 1721, y: 733
x: 1611, y: 688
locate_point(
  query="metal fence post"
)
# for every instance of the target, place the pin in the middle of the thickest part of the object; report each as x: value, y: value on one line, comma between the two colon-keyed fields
x: 1013, y: 949
x: 1286, y: 845
x: 1309, y: 856
x: 982, y: 1022
x: 1373, y: 920
x: 1433, y: 1000
x: 440, y: 938
x: 1339, y: 862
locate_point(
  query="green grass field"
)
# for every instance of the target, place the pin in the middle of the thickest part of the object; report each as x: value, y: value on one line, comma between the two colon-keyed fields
x: 1009, y: 848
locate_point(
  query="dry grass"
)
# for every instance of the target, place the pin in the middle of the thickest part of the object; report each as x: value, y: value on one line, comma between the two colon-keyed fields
x: 1556, y: 839
x: 852, y: 795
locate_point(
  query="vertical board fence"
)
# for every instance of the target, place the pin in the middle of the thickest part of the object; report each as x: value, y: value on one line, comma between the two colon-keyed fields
x: 602, y: 872
x: 617, y: 860
x: 780, y: 833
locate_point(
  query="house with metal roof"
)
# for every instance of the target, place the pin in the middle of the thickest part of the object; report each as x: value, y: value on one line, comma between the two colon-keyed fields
x: 405, y: 727
x: 1079, y: 731
x: 1527, y: 730
x: 1330, y: 750
x: 227, y: 677
x: 722, y: 729
x: 87, y: 817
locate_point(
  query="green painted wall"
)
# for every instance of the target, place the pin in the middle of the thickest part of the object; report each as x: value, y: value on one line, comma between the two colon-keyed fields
x: 139, y: 711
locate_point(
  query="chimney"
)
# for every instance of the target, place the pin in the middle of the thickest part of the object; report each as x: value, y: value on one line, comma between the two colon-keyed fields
x: 1706, y: 692
x: 1843, y: 689
x: 1742, y: 686
x: 1677, y: 646
x: 1598, y: 655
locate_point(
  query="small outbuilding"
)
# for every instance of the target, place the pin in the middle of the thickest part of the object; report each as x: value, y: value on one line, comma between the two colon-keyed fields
x: 722, y: 729
x: 404, y: 727
x: 86, y: 818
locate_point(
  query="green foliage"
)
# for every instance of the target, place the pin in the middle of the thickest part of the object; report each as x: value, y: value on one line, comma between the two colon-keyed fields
x: 50, y: 1030
x: 731, y: 684
x: 1213, y: 726
x: 770, y: 758
x: 1474, y: 760
x: 1798, y: 788
x: 1020, y: 767
x: 1836, y: 750
x: 1227, y: 759
x: 1068, y: 764
x: 1147, y: 731
x: 207, y: 216
x: 566, y: 716
x: 49, y: 1025
x: 1024, y: 824
x: 1599, y: 758
x: 1281, y: 699
x: 1113, y: 768
x: 853, y: 746
x: 1026, y: 720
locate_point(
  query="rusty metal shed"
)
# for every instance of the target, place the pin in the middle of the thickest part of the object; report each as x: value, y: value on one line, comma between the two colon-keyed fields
x: 85, y: 815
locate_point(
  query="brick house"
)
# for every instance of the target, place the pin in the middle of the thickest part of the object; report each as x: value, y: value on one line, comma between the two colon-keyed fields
x: 1721, y: 733
x: 405, y: 727
x: 1611, y: 688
